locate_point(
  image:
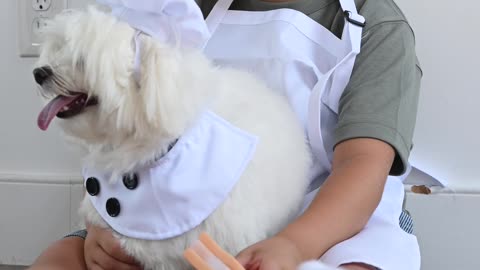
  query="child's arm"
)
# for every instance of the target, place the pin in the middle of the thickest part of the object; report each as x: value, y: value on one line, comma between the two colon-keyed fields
x: 341, y: 209
x: 348, y: 198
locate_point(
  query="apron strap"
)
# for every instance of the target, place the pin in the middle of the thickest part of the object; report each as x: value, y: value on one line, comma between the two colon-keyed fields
x: 352, y: 36
x: 333, y: 84
x: 351, y: 14
x: 216, y: 15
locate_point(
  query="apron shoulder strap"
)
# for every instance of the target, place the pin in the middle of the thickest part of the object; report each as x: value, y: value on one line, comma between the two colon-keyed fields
x: 350, y: 7
x: 216, y: 15
x: 352, y: 37
x: 354, y: 24
x: 336, y: 80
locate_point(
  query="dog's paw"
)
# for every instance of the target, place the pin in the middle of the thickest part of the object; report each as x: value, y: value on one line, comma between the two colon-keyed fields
x: 315, y: 265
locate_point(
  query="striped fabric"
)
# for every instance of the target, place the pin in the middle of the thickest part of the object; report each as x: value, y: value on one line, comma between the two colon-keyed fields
x: 80, y: 233
x: 406, y: 222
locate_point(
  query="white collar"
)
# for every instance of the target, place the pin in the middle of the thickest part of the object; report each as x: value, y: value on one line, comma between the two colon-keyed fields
x: 180, y: 190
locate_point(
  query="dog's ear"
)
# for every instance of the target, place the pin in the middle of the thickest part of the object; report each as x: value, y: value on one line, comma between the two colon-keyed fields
x: 167, y: 86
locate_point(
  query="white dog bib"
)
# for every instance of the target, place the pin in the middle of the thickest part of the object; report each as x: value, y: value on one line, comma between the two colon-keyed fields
x: 181, y: 189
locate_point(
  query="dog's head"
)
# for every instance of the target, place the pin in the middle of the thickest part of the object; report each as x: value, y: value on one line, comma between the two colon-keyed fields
x: 86, y: 73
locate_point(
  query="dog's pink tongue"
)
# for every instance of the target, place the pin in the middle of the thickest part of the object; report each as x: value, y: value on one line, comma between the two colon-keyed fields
x: 52, y: 108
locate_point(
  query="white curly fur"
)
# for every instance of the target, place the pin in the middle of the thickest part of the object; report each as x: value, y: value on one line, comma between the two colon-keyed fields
x: 90, y: 51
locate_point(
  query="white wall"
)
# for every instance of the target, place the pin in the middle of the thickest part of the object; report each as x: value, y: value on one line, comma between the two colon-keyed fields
x: 37, y: 202
x: 447, y: 136
x: 447, y: 228
x: 24, y: 150
x: 43, y: 207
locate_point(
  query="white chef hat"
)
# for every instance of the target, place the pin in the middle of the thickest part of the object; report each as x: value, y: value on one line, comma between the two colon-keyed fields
x: 178, y: 22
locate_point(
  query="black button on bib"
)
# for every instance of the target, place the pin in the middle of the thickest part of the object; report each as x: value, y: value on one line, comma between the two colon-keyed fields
x: 113, y: 207
x: 93, y: 186
x: 130, y: 181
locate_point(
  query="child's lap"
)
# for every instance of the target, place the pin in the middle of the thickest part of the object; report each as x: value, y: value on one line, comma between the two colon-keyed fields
x: 386, y: 242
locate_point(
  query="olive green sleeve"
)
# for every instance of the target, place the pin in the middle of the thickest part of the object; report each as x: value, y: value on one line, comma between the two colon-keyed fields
x: 381, y: 98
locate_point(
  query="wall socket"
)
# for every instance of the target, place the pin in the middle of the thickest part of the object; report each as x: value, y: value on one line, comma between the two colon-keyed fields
x: 32, y: 16
x: 41, y: 5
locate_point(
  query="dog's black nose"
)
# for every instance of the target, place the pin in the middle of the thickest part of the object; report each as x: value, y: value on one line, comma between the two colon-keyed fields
x: 42, y: 73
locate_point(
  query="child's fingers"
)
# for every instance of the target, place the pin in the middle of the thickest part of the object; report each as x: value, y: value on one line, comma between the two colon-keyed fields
x: 253, y: 265
x: 245, y: 258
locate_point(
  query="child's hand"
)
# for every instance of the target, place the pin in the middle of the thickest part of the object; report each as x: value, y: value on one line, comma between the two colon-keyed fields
x: 276, y: 253
x: 102, y: 251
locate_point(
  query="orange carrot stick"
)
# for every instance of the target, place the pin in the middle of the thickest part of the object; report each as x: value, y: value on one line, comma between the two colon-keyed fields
x: 196, y: 261
x: 226, y: 258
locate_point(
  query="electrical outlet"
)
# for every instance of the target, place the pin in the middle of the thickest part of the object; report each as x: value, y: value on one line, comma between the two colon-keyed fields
x: 32, y: 17
x: 38, y: 25
x: 41, y: 5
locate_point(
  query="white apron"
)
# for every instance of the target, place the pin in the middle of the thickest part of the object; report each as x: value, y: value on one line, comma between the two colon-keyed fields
x: 311, y: 66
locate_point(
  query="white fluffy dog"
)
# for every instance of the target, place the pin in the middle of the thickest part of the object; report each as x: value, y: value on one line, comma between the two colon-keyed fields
x: 85, y: 73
